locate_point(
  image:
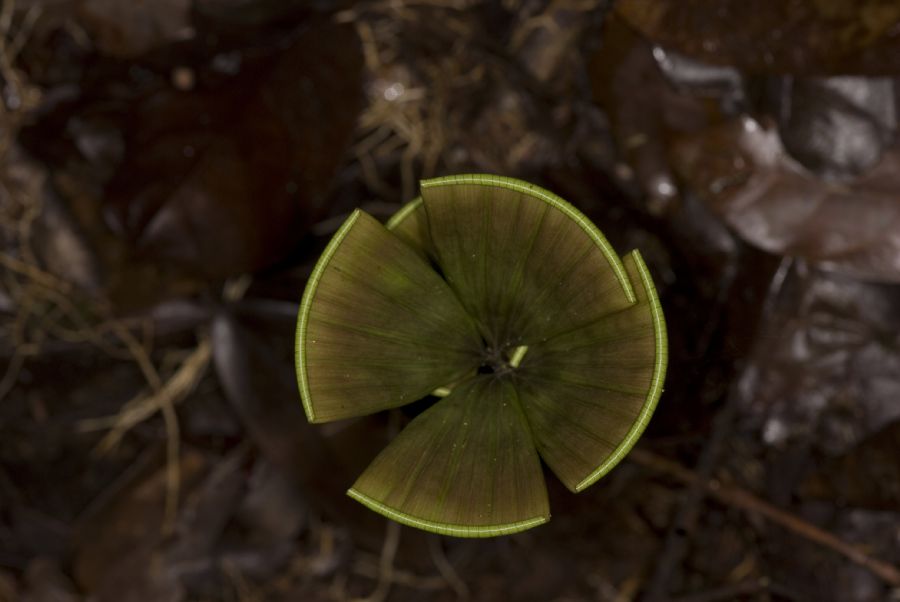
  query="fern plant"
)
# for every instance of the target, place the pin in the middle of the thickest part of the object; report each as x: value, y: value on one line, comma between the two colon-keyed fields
x: 510, y: 306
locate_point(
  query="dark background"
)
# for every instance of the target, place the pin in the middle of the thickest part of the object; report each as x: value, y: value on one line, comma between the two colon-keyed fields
x: 171, y: 169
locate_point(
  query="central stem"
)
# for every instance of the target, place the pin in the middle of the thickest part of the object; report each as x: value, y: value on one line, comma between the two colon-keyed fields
x: 499, y: 361
x: 495, y: 363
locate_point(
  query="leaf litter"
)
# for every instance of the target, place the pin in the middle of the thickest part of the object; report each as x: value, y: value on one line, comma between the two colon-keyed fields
x: 775, y: 255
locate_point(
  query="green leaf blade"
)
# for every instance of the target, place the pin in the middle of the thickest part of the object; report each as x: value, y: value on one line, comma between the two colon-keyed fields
x: 497, y: 274
x: 524, y: 263
x: 589, y: 392
x: 466, y: 467
x: 411, y: 225
x: 378, y: 328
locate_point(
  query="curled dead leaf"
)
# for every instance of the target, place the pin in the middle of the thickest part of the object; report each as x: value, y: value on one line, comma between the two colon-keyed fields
x: 743, y: 171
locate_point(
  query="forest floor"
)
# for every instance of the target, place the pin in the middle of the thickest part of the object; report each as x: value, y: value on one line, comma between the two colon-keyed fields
x: 170, y: 172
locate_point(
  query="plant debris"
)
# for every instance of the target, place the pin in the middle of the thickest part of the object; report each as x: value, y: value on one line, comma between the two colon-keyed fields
x: 171, y: 171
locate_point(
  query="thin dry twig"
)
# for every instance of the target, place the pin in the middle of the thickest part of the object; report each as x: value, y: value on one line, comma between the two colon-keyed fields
x: 162, y: 398
x: 173, y: 470
x: 21, y: 95
x: 42, y: 289
x: 34, y: 273
x: 18, y: 41
x: 747, y: 502
x: 48, y: 307
x: 408, y: 579
x: 445, y: 568
x: 140, y: 355
x: 386, y: 564
x: 176, y: 388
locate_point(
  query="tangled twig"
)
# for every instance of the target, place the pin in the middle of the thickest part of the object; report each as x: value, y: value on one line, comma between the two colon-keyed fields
x: 747, y: 502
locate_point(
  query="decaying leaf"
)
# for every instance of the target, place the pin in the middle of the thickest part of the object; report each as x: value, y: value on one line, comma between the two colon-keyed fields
x: 742, y: 170
x: 837, y: 127
x: 223, y: 182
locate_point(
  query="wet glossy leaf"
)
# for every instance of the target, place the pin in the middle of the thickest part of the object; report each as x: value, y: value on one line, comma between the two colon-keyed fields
x: 466, y: 467
x: 742, y: 170
x: 837, y: 127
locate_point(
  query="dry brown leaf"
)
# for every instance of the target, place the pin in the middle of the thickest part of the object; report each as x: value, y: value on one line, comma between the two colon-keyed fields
x: 125, y: 28
x: 743, y: 171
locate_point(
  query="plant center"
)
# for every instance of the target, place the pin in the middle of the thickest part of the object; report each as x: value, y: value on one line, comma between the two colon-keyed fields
x: 502, y: 361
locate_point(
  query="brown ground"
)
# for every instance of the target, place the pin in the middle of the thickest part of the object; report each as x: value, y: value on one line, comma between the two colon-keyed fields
x: 171, y: 170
